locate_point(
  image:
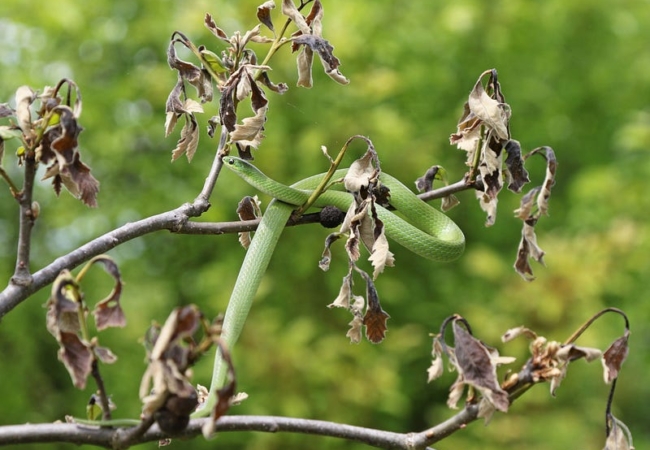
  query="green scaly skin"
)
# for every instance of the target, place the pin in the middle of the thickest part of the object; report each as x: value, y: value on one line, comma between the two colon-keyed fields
x: 429, y: 234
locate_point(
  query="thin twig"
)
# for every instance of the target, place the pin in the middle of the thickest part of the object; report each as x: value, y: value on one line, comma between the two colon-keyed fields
x: 22, y: 275
x: 103, y: 398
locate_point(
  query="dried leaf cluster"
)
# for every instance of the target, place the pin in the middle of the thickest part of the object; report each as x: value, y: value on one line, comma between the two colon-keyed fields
x: 239, y: 77
x: 476, y: 364
x: 362, y: 226
x: 67, y: 313
x: 483, y: 132
x: 165, y: 390
x: 47, y: 124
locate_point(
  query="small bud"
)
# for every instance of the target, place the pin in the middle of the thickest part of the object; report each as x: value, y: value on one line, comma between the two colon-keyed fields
x: 36, y: 210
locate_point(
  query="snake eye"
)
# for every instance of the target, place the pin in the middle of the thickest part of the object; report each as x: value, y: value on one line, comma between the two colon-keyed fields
x: 231, y: 161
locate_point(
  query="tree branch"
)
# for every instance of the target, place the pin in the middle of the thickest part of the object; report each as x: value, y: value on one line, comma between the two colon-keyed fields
x: 121, y: 437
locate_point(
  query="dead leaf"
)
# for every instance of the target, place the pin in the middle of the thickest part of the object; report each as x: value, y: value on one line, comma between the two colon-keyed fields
x: 212, y: 26
x: 345, y: 294
x: 248, y: 209
x: 108, y: 312
x: 478, y: 368
x: 618, y: 435
x: 264, y: 13
x: 375, y: 318
x: 77, y: 357
x: 189, y: 140
x: 614, y: 357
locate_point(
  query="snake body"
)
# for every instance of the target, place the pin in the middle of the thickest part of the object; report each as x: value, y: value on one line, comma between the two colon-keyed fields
x: 428, y: 233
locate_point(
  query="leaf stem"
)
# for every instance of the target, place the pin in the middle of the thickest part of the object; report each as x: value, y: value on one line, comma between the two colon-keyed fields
x: 588, y: 323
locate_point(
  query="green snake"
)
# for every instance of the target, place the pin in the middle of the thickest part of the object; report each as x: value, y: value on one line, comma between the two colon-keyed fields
x: 428, y: 233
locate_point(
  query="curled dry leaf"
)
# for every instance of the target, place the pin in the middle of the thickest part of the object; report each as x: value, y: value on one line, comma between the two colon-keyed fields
x: 477, y: 367
x: 345, y: 294
x: 618, y: 435
x: 326, y: 53
x: 550, y: 359
x: 108, y: 312
x: 436, y: 369
x: 485, y: 118
x: 361, y: 221
x: 189, y: 72
x: 309, y: 35
x: 248, y: 209
x: 264, y: 13
x: 516, y: 173
x: 211, y: 25
x: 375, y: 318
x: 614, y: 357
x: 189, y: 140
x: 165, y: 389
x: 60, y: 147
x: 249, y: 132
x: 63, y: 310
x: 533, y: 205
x: 25, y: 96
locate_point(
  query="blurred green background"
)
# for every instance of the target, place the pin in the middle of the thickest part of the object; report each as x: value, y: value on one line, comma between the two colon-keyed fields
x: 577, y: 76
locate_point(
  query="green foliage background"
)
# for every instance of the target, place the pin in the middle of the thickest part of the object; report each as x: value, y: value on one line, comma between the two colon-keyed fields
x: 577, y: 76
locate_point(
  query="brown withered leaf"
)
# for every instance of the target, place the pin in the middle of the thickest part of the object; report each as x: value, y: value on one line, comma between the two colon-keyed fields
x: 189, y: 140
x: 104, y: 354
x: 60, y: 147
x: 108, y: 312
x: 549, y: 178
x: 513, y: 333
x: 326, y: 53
x: 279, y: 88
x: 532, y: 206
x: 468, y: 133
x: 264, y: 13
x: 492, y: 113
x: 614, y: 357
x: 63, y: 305
x: 77, y: 358
x: 211, y: 25
x: 169, y: 359
x: 304, y: 62
x: 559, y: 359
x: 527, y: 249
x: 478, y: 367
x: 186, y: 71
x: 250, y: 131
x: 248, y: 209
x: 516, y: 173
x: 618, y: 435
x: 375, y: 318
